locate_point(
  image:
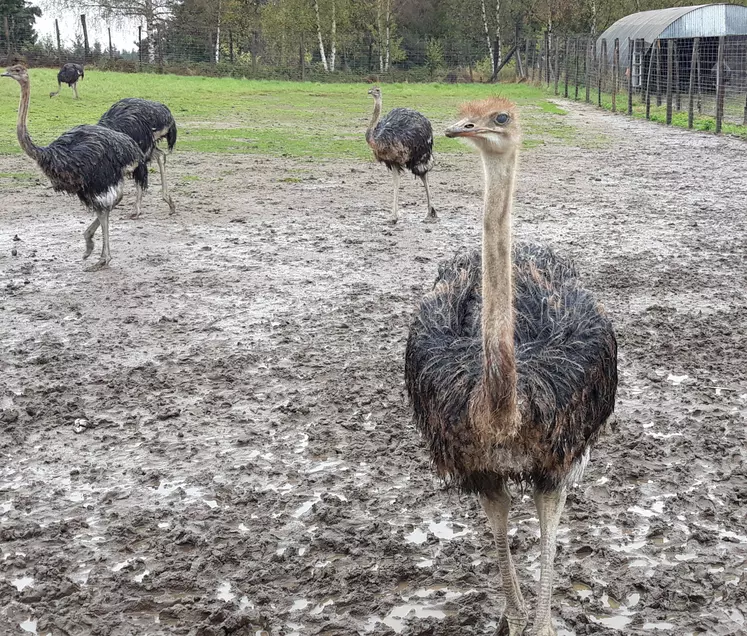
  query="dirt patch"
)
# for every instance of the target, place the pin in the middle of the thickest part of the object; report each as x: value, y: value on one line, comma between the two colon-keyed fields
x: 211, y: 437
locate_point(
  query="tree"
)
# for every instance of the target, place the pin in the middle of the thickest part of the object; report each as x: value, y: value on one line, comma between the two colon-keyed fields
x: 21, y: 17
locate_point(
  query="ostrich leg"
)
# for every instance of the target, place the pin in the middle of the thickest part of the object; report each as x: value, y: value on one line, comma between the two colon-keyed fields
x: 395, y: 205
x: 75, y: 89
x: 161, y: 159
x: 57, y: 92
x: 497, y: 508
x: 88, y: 235
x: 549, y: 508
x: 431, y: 216
x: 138, y: 202
x: 103, y: 219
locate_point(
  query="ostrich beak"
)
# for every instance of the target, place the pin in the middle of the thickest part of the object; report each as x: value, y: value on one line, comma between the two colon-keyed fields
x: 6, y: 74
x: 464, y: 128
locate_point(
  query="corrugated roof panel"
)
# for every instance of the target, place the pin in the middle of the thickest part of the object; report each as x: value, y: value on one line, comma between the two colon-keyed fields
x: 703, y: 20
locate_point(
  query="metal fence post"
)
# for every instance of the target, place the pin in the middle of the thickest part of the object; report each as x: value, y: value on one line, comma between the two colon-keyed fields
x: 615, y: 73
x: 631, y: 51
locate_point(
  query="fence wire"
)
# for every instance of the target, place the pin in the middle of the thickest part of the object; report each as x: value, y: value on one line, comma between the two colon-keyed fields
x: 699, y: 82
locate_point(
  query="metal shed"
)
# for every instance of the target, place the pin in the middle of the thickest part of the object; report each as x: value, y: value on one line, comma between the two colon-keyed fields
x: 704, y: 21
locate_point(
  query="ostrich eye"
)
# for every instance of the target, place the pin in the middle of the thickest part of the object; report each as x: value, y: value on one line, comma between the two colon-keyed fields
x: 501, y: 119
x: 469, y: 125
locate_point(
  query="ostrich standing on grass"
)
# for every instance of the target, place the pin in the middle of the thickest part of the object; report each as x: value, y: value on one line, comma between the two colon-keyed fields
x: 88, y: 161
x: 403, y: 139
x: 147, y: 123
x: 511, y: 366
x: 69, y: 74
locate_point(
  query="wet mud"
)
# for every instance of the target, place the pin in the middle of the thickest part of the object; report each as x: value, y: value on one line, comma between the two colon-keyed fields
x: 211, y: 437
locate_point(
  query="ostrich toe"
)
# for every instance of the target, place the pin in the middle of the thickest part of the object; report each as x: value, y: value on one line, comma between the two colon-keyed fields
x: 431, y: 217
x: 89, y: 248
x: 101, y: 264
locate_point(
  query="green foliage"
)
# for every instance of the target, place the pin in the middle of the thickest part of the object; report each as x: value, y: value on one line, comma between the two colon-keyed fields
x: 434, y: 55
x: 21, y: 17
x: 303, y: 120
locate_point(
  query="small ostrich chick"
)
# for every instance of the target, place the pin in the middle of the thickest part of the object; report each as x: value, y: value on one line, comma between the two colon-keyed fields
x: 403, y: 139
x: 511, y: 366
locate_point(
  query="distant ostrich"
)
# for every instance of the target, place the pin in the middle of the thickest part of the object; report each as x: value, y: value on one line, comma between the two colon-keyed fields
x: 147, y: 123
x: 403, y: 139
x: 88, y: 161
x: 511, y: 366
x: 69, y: 74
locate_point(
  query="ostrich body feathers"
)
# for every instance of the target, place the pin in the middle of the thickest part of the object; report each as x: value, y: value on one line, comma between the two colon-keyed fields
x: 403, y: 139
x: 566, y: 361
x: 90, y: 162
x: 70, y: 73
x: 145, y: 121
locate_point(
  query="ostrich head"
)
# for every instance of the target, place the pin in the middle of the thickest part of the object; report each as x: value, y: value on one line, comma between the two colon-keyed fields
x: 491, y: 125
x: 18, y: 72
x: 375, y: 92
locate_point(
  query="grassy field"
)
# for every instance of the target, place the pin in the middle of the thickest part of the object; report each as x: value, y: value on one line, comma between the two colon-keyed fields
x: 268, y: 117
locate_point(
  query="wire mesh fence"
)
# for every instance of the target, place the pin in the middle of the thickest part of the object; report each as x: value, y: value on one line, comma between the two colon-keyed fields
x: 697, y: 82
x: 191, y: 46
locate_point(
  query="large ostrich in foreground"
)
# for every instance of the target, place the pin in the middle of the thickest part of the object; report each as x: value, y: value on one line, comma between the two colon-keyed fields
x: 88, y: 161
x: 147, y: 123
x: 69, y: 74
x: 403, y: 139
x: 511, y: 366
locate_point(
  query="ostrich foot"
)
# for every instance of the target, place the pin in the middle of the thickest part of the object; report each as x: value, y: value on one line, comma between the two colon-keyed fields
x: 392, y: 222
x: 431, y: 217
x: 172, y: 207
x: 511, y: 627
x: 135, y: 215
x: 89, y: 249
x: 101, y: 264
x: 545, y: 630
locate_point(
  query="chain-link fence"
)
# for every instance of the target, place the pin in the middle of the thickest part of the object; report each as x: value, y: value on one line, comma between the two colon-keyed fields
x: 696, y: 82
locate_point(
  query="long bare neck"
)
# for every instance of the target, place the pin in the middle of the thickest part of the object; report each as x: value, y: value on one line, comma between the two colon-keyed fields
x: 22, y: 126
x: 499, y: 371
x: 376, y: 114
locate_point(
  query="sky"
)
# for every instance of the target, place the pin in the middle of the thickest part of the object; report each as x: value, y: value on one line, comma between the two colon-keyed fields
x: 124, y: 35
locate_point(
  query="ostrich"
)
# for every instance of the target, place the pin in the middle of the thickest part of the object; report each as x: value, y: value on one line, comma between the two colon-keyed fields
x: 88, y: 161
x: 511, y: 366
x: 69, y: 74
x: 403, y: 139
x: 147, y: 123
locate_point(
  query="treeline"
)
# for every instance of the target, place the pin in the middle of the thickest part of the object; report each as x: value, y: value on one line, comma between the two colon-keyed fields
x: 342, y: 36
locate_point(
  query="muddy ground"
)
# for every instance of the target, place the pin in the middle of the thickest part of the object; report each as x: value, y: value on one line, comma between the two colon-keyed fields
x: 211, y: 437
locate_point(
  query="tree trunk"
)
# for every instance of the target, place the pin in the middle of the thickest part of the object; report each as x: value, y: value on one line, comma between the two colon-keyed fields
x: 593, y: 18
x: 217, y: 36
x: 150, y: 19
x: 319, y: 34
x: 333, y: 40
x: 388, y: 34
x: 498, y: 58
x: 487, y: 36
x: 380, y: 34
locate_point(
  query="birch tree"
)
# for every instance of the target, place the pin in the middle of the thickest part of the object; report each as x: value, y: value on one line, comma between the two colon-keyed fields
x: 488, y: 41
x: 319, y: 36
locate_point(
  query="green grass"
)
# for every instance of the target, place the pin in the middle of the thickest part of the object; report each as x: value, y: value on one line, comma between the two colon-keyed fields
x: 290, y: 119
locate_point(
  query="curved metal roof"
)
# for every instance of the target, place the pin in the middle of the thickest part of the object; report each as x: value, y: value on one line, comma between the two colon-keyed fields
x: 703, y: 20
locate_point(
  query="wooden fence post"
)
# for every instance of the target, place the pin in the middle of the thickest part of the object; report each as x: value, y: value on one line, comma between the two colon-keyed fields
x: 230, y: 45
x: 301, y: 60
x: 576, y: 44
x: 556, y: 64
x: 700, y: 86
x: 670, y: 72
x: 526, y: 59
x: 59, y: 41
x: 615, y: 73
x: 691, y: 87
x: 111, y: 50
x: 547, y: 58
x: 567, y: 66
x: 140, y: 46
x: 676, y: 79
x: 86, y: 51
x: 631, y: 52
x: 7, y: 37
x: 720, y: 84
x: 654, y: 51
x: 587, y: 67
x: 601, y: 70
